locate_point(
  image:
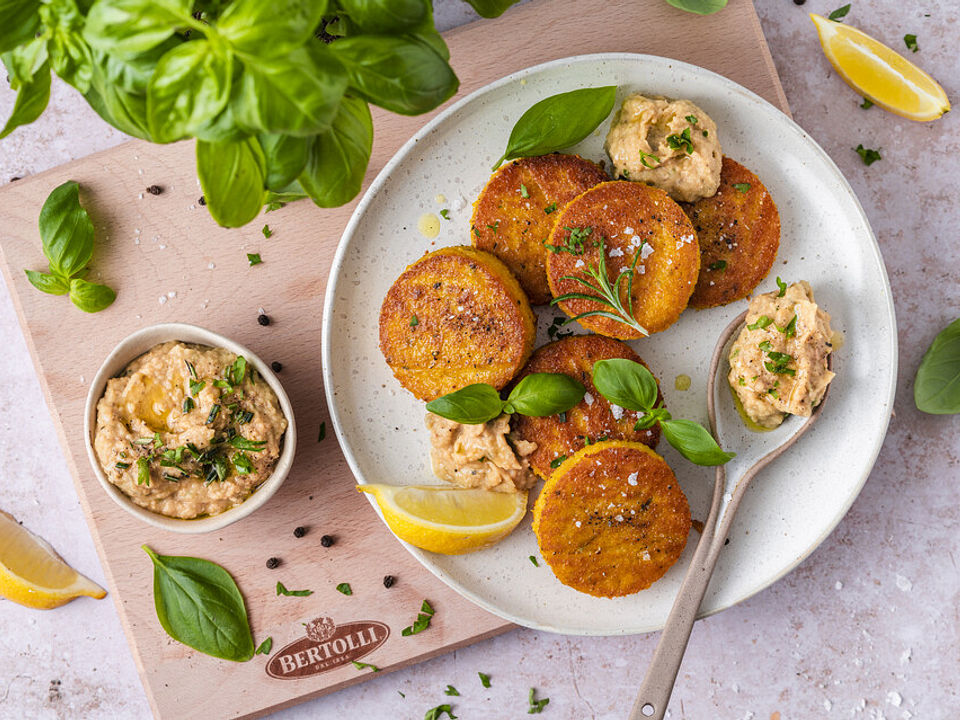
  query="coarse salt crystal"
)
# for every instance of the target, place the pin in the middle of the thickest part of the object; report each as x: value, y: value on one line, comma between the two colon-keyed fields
x: 839, y: 585
x: 615, y: 252
x: 172, y: 294
x: 162, y: 299
x: 904, y: 583
x: 211, y: 266
x: 632, y: 478
x: 628, y: 230
x: 646, y: 252
x: 905, y: 656
x: 827, y: 705
x: 577, y: 523
x: 618, y: 518
x: 894, y: 698
x: 616, y: 411
x: 579, y: 264
x: 588, y: 398
x: 635, y: 241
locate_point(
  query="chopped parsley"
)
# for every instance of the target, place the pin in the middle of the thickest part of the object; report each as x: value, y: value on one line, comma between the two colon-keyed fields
x: 475, y: 231
x: 188, y: 405
x: 414, y: 321
x: 774, y: 393
x: 783, y: 287
x: 692, y: 119
x: 422, y: 622
x: 766, y: 346
x: 573, y: 243
x: 643, y: 159
x: 445, y: 214
x: 267, y: 232
x: 552, y: 207
x: 778, y: 363
x: 557, y: 462
x: 840, y: 12
x: 866, y: 104
x: 718, y: 265
x: 241, y: 443
x: 451, y: 690
x: 868, y: 155
x: 495, y: 227
x: 484, y: 679
x: 435, y: 713
x: 281, y: 590
x: 524, y: 193
x: 265, y: 647
x: 705, y: 133
x: 345, y: 589
x: 214, y: 411
x: 363, y: 665
x: 681, y: 141
x: 536, y: 706
x: 790, y: 329
x: 196, y: 387
x: 241, y: 463
x: 741, y: 187
x: 762, y: 322
x: 122, y: 465
x: 254, y: 259
x: 533, y: 559
x: 911, y: 42
x: 143, y: 471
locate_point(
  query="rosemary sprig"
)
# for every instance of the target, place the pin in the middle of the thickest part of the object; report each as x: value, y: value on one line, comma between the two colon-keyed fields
x: 607, y: 294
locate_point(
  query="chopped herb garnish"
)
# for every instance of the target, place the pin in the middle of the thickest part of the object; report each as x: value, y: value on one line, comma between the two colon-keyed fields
x: 774, y: 393
x: 718, y: 265
x: 840, y: 12
x: 626, y: 174
x: 557, y: 462
x: 281, y: 590
x: 345, y: 589
x: 533, y: 559
x: 217, y: 470
x: 214, y: 411
x: 783, y: 287
x: 475, y: 231
x: 414, y: 321
x: 435, y: 713
x: 573, y: 243
x: 157, y: 441
x: 552, y: 207
x: 401, y: 695
x: 866, y: 104
x: 188, y: 405
x: 705, y: 133
x: 681, y: 141
x: 191, y: 368
x: 242, y: 464
x: 122, y: 465
x: 765, y: 346
x: 265, y: 647
x: 363, y: 666
x: 740, y: 382
x: 868, y: 155
x: 323, y: 432
x: 237, y: 371
x: 445, y: 214
x: 196, y: 386
x: 692, y: 119
x: 911, y: 42
x: 778, y: 363
x: 536, y: 706
x: 762, y: 322
x: 495, y: 227
x: 523, y: 191
x: 143, y: 441
x: 484, y: 679
x: 254, y: 258
x: 790, y: 329
x: 643, y: 159
x: 143, y: 471
x: 241, y: 443
x: 422, y: 622
x: 267, y: 232
x: 451, y: 690
x: 244, y: 417
x: 741, y: 187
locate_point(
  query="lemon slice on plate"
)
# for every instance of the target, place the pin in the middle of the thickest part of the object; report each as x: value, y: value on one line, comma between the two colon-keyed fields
x: 31, y: 572
x: 448, y: 520
x: 882, y: 76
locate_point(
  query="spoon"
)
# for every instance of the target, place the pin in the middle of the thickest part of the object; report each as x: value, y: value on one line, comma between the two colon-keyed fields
x: 662, y: 674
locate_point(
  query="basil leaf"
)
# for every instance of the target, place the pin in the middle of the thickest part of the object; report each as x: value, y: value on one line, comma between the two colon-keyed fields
x: 129, y: 27
x: 491, y: 8
x: 337, y: 159
x: 70, y: 55
x: 124, y: 108
x: 700, y: 7
x: 543, y: 394
x: 32, y: 100
x: 936, y: 389
x: 386, y: 16
x: 559, y: 121
x: 265, y: 647
x: 232, y: 175
x: 266, y: 29
x: 471, y: 405
x: 285, y: 156
x: 281, y: 590
x: 19, y: 22
x: 24, y: 62
x: 693, y: 441
x: 52, y: 284
x: 625, y: 383
x: 66, y: 230
x: 89, y: 296
x: 403, y: 74
x: 198, y: 604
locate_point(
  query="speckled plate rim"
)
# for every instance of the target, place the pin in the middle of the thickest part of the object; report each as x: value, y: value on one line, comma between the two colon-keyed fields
x: 369, y: 197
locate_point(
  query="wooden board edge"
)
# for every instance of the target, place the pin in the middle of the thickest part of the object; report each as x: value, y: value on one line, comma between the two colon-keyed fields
x: 768, y: 61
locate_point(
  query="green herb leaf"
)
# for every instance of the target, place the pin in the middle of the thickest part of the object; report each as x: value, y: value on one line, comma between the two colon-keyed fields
x: 693, y: 441
x: 232, y: 175
x: 337, y: 159
x: 557, y: 461
x: 19, y: 23
x: 281, y: 590
x: 268, y: 29
x: 533, y: 559
x: 435, y: 713
x: 762, y: 322
x: 911, y: 42
x: 868, y: 155
x: 241, y: 463
x: 484, y: 679
x: 552, y: 207
x: 543, y: 394
x: 265, y: 647
x: 345, y: 589
x: 45, y: 282
x: 741, y: 187
x: 241, y: 443
x: 840, y: 12
x: 626, y: 383
x: 414, y: 321
x: 790, y: 329
x: 285, y: 156
x: 524, y: 193
x: 89, y: 296
x: 490, y: 8
x: 445, y: 214
x: 422, y: 622
x: 66, y: 231
x: 143, y: 471
x: 643, y: 159
x: 783, y: 287
x: 130, y: 27
x: 559, y: 121
x: 536, y: 706
x: 254, y: 258
x: 936, y: 389
x: 866, y: 104
x: 682, y: 141
x: 198, y: 604
x: 718, y: 265
x: 363, y: 665
x: 214, y: 411
x: 471, y: 405
x: 386, y: 16
x: 700, y: 7
x: 32, y: 99
x: 196, y: 386
x: 451, y: 690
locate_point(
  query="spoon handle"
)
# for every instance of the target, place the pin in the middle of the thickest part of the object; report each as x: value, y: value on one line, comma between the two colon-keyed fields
x: 658, y: 684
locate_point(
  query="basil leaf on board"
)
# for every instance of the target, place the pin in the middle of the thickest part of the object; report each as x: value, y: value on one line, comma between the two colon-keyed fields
x: 190, y: 86
x: 625, y: 383
x: 89, y: 296
x: 700, y: 7
x: 129, y: 27
x: 32, y: 100
x: 543, y: 394
x: 285, y: 156
x: 386, y: 16
x: 559, y: 121
x: 491, y: 8
x: 232, y: 176
x: 66, y: 230
x: 19, y: 22
x: 266, y: 29
x: 403, y: 74
x: 198, y: 604
x: 48, y: 283
x: 693, y: 441
x: 936, y: 389
x: 337, y: 159
x: 471, y: 405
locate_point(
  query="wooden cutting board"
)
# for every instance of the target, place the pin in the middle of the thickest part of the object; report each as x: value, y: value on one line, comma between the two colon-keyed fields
x: 170, y: 262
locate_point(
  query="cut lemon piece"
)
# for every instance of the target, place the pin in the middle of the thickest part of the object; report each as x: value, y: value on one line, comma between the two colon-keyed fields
x: 881, y: 75
x: 31, y: 572
x: 450, y: 520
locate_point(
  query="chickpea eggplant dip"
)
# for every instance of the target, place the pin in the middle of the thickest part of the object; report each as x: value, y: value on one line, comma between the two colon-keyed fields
x: 188, y: 431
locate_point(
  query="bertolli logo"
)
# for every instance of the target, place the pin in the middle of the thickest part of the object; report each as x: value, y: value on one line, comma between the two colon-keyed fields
x: 327, y: 646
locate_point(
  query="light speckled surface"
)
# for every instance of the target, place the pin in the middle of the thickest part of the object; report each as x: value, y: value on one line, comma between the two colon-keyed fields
x: 865, y: 627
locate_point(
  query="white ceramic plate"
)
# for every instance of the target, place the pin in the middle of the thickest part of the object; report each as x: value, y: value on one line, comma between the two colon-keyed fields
x: 826, y: 240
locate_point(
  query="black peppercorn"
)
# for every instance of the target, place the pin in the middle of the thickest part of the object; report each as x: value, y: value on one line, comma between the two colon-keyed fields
x: 299, y: 532
x: 799, y: 2
x: 326, y: 541
x: 273, y: 563
x: 202, y: 200
x: 154, y: 189
x: 388, y: 581
x: 275, y: 366
x: 263, y: 319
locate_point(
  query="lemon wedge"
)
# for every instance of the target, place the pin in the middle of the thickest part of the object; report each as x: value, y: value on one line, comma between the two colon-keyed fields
x: 881, y: 75
x: 446, y: 520
x: 31, y: 572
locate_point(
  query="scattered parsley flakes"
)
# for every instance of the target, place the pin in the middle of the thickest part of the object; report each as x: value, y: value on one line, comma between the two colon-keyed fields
x: 557, y: 462
x: 692, y: 119
x: 741, y: 187
x: 552, y: 207
x: 533, y: 559
x: 401, y: 695
x: 840, y: 12
x: 323, y: 432
x: 422, y: 622
x: 791, y: 328
x: 681, y: 141
x: 911, y: 42
x: 495, y: 227
x: 524, y: 193
x: 435, y: 713
x: 718, y: 265
x: 345, y: 589
x: 484, y: 679
x: 451, y: 690
x: 414, y: 321
x: 868, y: 155
x: 143, y: 471
x: 281, y: 590
x: 254, y: 259
x: 762, y: 322
x: 267, y: 232
x: 363, y: 665
x: 643, y: 159
x: 445, y: 214
x: 265, y: 647
x: 475, y: 231
x: 783, y: 287
x: 866, y: 104
x: 536, y: 706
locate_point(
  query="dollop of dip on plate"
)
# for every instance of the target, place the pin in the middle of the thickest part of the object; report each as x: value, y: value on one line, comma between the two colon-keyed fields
x: 188, y: 430
x: 778, y: 363
x: 480, y: 456
x: 670, y: 144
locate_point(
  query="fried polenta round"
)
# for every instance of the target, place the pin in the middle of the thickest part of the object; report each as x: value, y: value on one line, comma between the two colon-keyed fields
x: 593, y: 419
x: 515, y: 212
x: 629, y: 221
x: 612, y: 520
x: 455, y: 317
x: 739, y: 233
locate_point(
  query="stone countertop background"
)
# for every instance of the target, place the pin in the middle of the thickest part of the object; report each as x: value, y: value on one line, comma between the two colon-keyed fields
x: 867, y: 626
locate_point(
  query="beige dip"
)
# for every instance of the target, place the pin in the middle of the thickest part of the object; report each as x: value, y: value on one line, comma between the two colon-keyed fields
x: 779, y: 366
x: 188, y: 430
x: 670, y: 144
x: 480, y: 456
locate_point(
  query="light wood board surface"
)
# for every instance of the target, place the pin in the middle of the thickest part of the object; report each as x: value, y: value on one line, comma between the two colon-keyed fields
x: 169, y: 261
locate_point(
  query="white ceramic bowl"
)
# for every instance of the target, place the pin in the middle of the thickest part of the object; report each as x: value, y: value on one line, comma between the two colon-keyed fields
x: 135, y: 345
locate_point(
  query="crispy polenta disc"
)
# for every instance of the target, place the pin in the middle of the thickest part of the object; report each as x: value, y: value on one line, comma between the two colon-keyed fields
x: 593, y: 419
x: 629, y: 220
x: 612, y: 520
x: 515, y: 212
x: 455, y: 317
x: 739, y: 233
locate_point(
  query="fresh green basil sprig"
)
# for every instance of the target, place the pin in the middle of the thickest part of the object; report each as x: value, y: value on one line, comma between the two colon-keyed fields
x: 67, y: 234
x: 199, y: 604
x: 537, y: 395
x: 700, y: 7
x: 936, y: 389
x: 559, y: 121
x: 630, y: 385
x: 276, y: 92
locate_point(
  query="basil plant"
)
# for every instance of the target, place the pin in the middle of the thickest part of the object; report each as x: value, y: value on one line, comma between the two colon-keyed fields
x: 276, y: 93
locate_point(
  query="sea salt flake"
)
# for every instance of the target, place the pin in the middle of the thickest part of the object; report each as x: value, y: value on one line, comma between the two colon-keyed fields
x: 632, y: 479
x: 905, y: 656
x: 578, y: 264
x: 646, y: 252
x: 635, y: 241
x: 588, y: 398
x: 904, y: 583
x: 616, y: 411
x: 838, y: 585
x: 162, y: 299
x: 618, y: 518
x: 827, y: 705
x: 894, y: 698
x: 628, y: 230
x: 615, y: 252
x: 577, y: 523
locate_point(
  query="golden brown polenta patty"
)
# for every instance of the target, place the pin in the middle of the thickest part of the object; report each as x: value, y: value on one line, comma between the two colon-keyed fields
x: 455, y: 317
x: 514, y: 227
x: 739, y: 233
x: 592, y: 419
x: 612, y: 520
x: 628, y: 218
